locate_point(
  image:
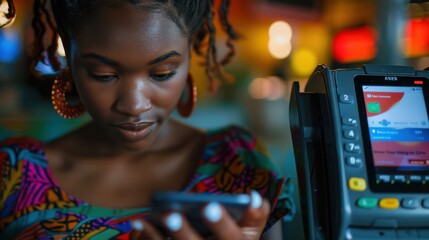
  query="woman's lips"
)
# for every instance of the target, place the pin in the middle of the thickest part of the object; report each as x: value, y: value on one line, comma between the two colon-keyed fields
x: 135, y: 130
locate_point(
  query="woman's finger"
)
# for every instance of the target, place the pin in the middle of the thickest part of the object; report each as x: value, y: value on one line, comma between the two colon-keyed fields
x: 179, y: 228
x: 257, y: 214
x: 144, y: 230
x: 220, y: 222
x: 250, y: 227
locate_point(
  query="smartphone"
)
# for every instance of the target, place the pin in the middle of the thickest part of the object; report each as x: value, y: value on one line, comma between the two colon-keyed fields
x: 191, y: 206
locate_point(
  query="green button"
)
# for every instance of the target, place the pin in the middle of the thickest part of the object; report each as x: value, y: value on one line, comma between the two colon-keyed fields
x: 374, y: 107
x: 367, y: 202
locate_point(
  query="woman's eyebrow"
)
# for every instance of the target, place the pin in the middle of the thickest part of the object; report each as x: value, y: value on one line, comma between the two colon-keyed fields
x: 101, y: 59
x: 164, y: 57
x: 116, y: 64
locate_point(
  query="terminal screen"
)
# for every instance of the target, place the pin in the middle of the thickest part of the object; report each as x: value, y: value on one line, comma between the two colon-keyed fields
x: 396, y: 134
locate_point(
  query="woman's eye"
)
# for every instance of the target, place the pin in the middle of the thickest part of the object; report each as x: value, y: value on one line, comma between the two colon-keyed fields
x: 104, y: 78
x: 162, y: 76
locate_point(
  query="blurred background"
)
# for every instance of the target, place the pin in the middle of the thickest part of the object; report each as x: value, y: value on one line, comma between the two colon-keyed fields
x: 282, y: 42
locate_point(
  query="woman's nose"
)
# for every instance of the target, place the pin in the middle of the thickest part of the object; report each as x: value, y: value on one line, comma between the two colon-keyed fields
x: 134, y: 98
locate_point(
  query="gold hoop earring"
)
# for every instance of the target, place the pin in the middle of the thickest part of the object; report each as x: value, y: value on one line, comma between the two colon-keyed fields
x: 62, y: 85
x: 188, y: 100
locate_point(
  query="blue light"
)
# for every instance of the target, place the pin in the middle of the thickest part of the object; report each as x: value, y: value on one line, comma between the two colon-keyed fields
x: 10, y: 45
x: 45, y: 68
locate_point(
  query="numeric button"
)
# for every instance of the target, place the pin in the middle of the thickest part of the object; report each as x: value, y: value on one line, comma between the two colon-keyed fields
x: 354, y: 161
x: 352, y: 147
x: 346, y: 98
x: 350, y: 134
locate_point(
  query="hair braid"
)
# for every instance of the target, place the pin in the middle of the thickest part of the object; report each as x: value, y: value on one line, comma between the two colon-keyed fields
x: 232, y: 35
x: 10, y: 14
x: 217, y: 67
x: 211, y: 54
x: 39, y: 31
x: 42, y: 25
x: 53, y: 44
x: 205, y: 40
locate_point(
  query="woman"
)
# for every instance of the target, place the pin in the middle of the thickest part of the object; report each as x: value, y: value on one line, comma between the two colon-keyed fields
x: 129, y: 62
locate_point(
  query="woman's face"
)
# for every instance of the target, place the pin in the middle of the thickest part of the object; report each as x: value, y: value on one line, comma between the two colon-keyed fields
x: 130, y: 66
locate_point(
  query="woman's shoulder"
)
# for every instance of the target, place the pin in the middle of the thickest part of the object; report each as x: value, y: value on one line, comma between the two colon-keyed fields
x: 232, y: 135
x: 23, y: 149
x: 238, y: 142
x: 231, y: 129
x: 20, y: 141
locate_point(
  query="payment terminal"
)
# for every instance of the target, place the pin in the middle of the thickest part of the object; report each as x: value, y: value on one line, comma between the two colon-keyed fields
x: 361, y: 145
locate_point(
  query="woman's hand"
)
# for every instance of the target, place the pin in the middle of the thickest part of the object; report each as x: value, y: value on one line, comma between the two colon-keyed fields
x: 217, y: 220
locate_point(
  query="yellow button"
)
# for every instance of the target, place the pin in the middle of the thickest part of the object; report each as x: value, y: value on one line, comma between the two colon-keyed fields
x: 357, y: 184
x: 389, y: 203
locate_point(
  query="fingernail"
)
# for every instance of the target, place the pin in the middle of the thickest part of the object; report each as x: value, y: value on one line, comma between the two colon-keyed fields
x: 137, y: 225
x: 256, y: 199
x: 213, y: 212
x: 174, y: 222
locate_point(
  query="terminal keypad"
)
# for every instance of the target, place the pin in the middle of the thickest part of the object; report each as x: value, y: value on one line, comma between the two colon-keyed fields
x: 350, y: 133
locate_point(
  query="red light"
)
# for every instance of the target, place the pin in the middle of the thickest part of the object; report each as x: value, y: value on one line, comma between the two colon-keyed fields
x: 418, y: 82
x: 355, y: 45
x: 416, y: 40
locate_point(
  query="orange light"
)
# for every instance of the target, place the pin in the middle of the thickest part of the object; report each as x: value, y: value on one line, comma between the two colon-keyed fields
x: 418, y: 82
x: 355, y: 45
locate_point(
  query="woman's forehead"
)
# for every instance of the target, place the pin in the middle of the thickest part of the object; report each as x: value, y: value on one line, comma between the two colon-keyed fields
x: 109, y: 22
x: 130, y: 34
x: 78, y: 13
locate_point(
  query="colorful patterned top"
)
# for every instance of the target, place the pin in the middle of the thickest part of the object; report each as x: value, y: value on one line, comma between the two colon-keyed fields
x: 33, y: 206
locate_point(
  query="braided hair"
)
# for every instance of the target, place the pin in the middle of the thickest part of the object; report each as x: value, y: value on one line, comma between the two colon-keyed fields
x: 194, y: 17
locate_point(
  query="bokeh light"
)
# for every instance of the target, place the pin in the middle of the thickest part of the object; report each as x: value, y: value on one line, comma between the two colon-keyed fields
x: 416, y: 39
x: 355, y: 44
x: 4, y: 7
x: 279, y: 43
x: 10, y: 45
x: 280, y: 31
x: 279, y: 50
x: 270, y: 88
x: 303, y: 62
